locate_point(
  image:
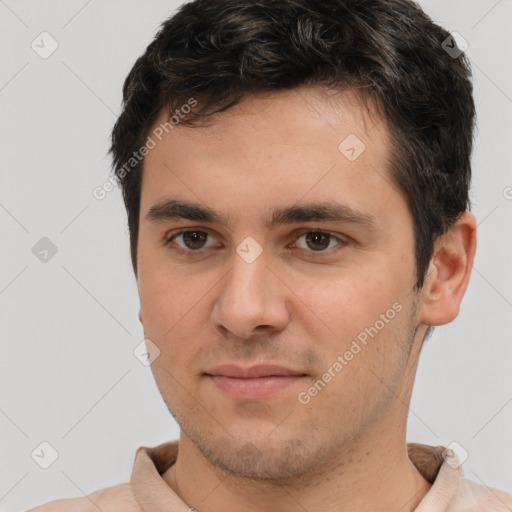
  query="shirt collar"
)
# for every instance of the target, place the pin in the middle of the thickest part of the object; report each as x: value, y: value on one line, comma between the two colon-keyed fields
x: 437, y: 464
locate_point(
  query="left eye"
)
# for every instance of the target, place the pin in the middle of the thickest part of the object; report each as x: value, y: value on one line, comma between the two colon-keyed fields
x: 321, y: 239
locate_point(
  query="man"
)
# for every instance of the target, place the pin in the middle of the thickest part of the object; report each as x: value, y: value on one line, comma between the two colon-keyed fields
x: 296, y: 177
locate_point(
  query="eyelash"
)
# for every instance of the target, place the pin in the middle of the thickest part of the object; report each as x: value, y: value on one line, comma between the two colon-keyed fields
x: 170, y: 238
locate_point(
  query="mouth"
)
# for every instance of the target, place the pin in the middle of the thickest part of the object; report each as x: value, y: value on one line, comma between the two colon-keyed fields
x: 255, y: 382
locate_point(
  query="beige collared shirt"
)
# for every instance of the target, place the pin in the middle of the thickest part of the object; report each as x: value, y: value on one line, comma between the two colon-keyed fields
x: 148, y: 492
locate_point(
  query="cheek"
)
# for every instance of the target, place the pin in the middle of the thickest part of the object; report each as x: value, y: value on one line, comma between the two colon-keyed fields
x: 175, y: 311
x: 366, y: 359
x: 155, y: 293
x: 344, y: 305
x: 168, y: 305
x: 160, y: 289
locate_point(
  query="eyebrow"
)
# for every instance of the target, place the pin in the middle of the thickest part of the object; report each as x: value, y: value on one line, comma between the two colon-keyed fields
x: 172, y: 209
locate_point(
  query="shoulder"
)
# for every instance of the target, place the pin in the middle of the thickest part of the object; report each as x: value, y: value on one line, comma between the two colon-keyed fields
x: 108, y: 499
x: 474, y: 497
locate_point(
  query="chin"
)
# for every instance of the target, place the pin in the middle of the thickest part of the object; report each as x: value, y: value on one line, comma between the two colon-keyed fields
x: 259, y: 459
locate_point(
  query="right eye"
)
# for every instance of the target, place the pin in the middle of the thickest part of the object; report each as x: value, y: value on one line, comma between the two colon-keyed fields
x: 193, y: 240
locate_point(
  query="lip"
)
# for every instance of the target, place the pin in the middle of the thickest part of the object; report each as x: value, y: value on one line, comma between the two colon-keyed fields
x: 255, y: 382
x: 260, y: 370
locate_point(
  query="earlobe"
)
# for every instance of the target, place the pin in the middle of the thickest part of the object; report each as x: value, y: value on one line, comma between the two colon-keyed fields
x: 449, y: 272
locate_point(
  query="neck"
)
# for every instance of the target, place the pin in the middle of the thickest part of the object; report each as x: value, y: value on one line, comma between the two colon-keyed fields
x: 368, y: 476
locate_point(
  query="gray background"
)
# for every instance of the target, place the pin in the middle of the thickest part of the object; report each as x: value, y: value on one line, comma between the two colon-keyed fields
x: 69, y: 326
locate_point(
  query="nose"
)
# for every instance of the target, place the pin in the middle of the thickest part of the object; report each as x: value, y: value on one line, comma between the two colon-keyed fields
x: 250, y: 298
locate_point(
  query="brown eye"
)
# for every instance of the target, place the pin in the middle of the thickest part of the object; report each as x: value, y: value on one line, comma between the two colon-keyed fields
x: 193, y: 241
x: 319, y: 241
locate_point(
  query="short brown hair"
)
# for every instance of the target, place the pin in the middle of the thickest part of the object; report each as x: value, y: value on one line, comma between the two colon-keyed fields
x: 389, y: 50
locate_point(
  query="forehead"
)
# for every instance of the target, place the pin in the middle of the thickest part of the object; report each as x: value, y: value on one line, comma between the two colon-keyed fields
x: 297, y: 115
x: 274, y: 149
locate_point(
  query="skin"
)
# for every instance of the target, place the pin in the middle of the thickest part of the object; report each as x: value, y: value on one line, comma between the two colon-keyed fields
x: 300, y: 304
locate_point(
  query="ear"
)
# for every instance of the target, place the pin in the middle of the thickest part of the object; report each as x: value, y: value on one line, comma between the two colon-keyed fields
x: 449, y: 271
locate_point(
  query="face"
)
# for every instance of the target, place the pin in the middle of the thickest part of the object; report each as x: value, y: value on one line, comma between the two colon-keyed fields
x: 272, y: 278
